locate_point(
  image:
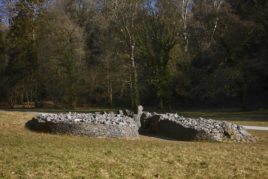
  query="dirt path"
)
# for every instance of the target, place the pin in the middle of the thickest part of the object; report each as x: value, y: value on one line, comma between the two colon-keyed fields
x: 258, y: 128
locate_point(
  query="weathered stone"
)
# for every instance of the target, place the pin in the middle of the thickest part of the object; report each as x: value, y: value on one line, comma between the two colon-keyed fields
x: 180, y: 128
x: 138, y: 116
x: 95, y: 125
x: 128, y: 113
x: 129, y: 125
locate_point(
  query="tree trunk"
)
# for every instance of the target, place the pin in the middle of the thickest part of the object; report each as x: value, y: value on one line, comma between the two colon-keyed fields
x: 161, y: 103
x: 111, y: 96
x: 134, y: 82
x: 184, y: 17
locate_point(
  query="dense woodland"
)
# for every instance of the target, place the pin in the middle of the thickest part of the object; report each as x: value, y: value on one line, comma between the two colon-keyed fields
x: 159, y: 53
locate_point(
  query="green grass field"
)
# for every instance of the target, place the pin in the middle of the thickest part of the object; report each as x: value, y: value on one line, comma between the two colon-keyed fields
x: 25, y: 154
x: 250, y: 118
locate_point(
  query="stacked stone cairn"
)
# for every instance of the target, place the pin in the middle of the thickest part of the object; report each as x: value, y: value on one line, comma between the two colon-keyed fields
x: 126, y: 124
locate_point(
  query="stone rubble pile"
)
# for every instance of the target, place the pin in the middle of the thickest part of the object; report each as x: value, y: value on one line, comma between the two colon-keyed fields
x: 126, y: 124
x: 179, y: 127
x: 90, y: 118
x: 89, y: 124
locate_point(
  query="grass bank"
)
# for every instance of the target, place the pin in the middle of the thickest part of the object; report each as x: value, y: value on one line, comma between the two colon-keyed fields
x: 27, y: 154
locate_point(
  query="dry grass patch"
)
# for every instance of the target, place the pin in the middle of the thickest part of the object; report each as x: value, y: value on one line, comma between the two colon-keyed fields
x: 27, y: 154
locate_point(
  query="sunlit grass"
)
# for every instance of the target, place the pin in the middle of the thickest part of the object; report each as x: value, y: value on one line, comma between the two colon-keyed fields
x: 261, y: 115
x: 250, y: 118
x: 27, y: 154
x: 252, y: 123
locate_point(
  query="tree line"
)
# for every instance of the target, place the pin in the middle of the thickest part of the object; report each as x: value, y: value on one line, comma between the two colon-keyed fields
x: 160, y: 53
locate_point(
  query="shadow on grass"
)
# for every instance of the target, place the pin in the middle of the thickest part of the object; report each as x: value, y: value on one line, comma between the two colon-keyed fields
x: 165, y: 138
x: 35, y: 126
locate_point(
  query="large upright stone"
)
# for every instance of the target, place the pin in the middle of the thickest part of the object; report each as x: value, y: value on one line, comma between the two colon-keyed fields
x: 137, y: 117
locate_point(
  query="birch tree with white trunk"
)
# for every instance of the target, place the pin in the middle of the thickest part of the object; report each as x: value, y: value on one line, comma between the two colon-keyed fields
x: 126, y: 16
x: 217, y: 6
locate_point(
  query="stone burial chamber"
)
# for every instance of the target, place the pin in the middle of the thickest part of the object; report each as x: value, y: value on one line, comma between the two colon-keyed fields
x: 189, y: 129
x: 126, y: 124
x: 90, y: 124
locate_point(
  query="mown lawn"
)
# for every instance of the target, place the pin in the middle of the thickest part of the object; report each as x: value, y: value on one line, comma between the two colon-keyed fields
x: 31, y: 155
